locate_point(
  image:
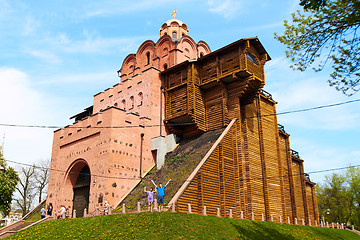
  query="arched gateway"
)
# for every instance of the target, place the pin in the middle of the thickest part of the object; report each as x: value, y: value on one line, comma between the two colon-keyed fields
x: 80, y: 178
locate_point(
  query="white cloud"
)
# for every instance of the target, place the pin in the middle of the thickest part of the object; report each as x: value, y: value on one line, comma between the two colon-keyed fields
x: 94, y: 77
x: 226, y: 8
x: 45, y: 56
x: 21, y: 104
x: 93, y: 43
x: 4, y: 8
x: 117, y: 7
x: 30, y: 26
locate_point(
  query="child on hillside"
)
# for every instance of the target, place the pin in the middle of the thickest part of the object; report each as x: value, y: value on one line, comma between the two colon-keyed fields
x: 150, y: 198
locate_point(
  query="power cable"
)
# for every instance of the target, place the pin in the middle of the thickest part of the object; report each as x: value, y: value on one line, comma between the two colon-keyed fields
x: 179, y: 124
x: 184, y: 180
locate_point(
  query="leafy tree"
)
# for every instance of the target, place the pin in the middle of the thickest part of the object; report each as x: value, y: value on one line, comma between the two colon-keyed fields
x: 326, y: 31
x: 8, y: 181
x: 339, y: 197
x: 334, y: 199
x: 353, y: 181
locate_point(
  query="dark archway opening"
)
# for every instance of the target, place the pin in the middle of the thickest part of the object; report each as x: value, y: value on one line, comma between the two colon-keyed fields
x: 81, y: 191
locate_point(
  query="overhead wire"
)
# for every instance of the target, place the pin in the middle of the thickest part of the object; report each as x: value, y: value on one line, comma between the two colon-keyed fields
x: 178, y: 124
x: 181, y: 180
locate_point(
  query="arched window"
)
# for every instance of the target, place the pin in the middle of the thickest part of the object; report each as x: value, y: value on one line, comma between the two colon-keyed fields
x: 131, y: 102
x: 147, y: 58
x: 174, y: 35
x: 165, y: 66
x: 140, y: 98
x: 123, y: 103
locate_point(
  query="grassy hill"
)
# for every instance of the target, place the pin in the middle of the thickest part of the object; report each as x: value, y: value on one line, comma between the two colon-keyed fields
x: 174, y: 226
x: 178, y: 166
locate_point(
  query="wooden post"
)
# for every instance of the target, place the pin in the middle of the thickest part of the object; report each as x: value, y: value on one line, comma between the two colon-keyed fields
x: 74, y: 213
x: 230, y: 213
x: 138, y: 207
x: 85, y: 212
x: 123, y: 209
x: 110, y: 210
x: 218, y: 212
x: 189, y: 209
x: 96, y: 211
x: 352, y: 227
x: 316, y: 223
x: 204, y: 211
x: 302, y: 222
x: 173, y: 208
x: 295, y: 221
x: 262, y: 217
x: 288, y: 220
x: 280, y: 219
x: 271, y: 218
x: 310, y: 222
x: 252, y: 216
x: 241, y: 215
x: 155, y: 205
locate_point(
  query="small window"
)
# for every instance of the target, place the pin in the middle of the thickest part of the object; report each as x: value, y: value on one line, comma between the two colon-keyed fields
x: 140, y: 98
x: 174, y: 35
x: 131, y: 102
x: 123, y: 103
x: 147, y: 58
x: 252, y: 58
x: 201, y: 54
x: 165, y: 66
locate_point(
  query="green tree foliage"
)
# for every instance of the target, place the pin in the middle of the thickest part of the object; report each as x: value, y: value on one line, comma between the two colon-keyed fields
x: 8, y: 181
x: 339, y: 197
x: 326, y: 32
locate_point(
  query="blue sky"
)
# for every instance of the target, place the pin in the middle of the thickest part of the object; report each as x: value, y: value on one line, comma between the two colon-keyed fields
x: 55, y: 55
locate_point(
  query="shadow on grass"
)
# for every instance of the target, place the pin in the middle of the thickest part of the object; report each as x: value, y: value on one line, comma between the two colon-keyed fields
x: 255, y: 230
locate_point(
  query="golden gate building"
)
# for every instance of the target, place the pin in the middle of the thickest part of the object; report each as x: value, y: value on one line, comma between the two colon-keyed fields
x: 177, y: 88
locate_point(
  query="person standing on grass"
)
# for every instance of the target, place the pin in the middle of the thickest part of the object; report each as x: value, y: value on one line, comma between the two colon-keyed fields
x: 43, y: 212
x: 49, y: 209
x: 150, y: 198
x: 161, y: 194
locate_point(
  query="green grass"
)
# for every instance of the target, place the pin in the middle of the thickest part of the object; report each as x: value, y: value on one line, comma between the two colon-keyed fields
x: 36, y: 215
x: 174, y: 226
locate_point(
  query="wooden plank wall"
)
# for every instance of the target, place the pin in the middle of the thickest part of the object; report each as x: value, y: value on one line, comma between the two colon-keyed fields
x: 272, y: 163
x: 256, y: 69
x: 298, y: 189
x: 309, y: 201
x: 254, y: 170
x: 215, y: 185
x: 214, y: 108
x: 285, y: 158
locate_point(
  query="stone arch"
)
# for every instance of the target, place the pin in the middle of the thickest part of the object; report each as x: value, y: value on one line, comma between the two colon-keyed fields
x: 146, y: 51
x: 78, y: 177
x: 128, y: 66
x: 203, y: 48
x: 188, y: 47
